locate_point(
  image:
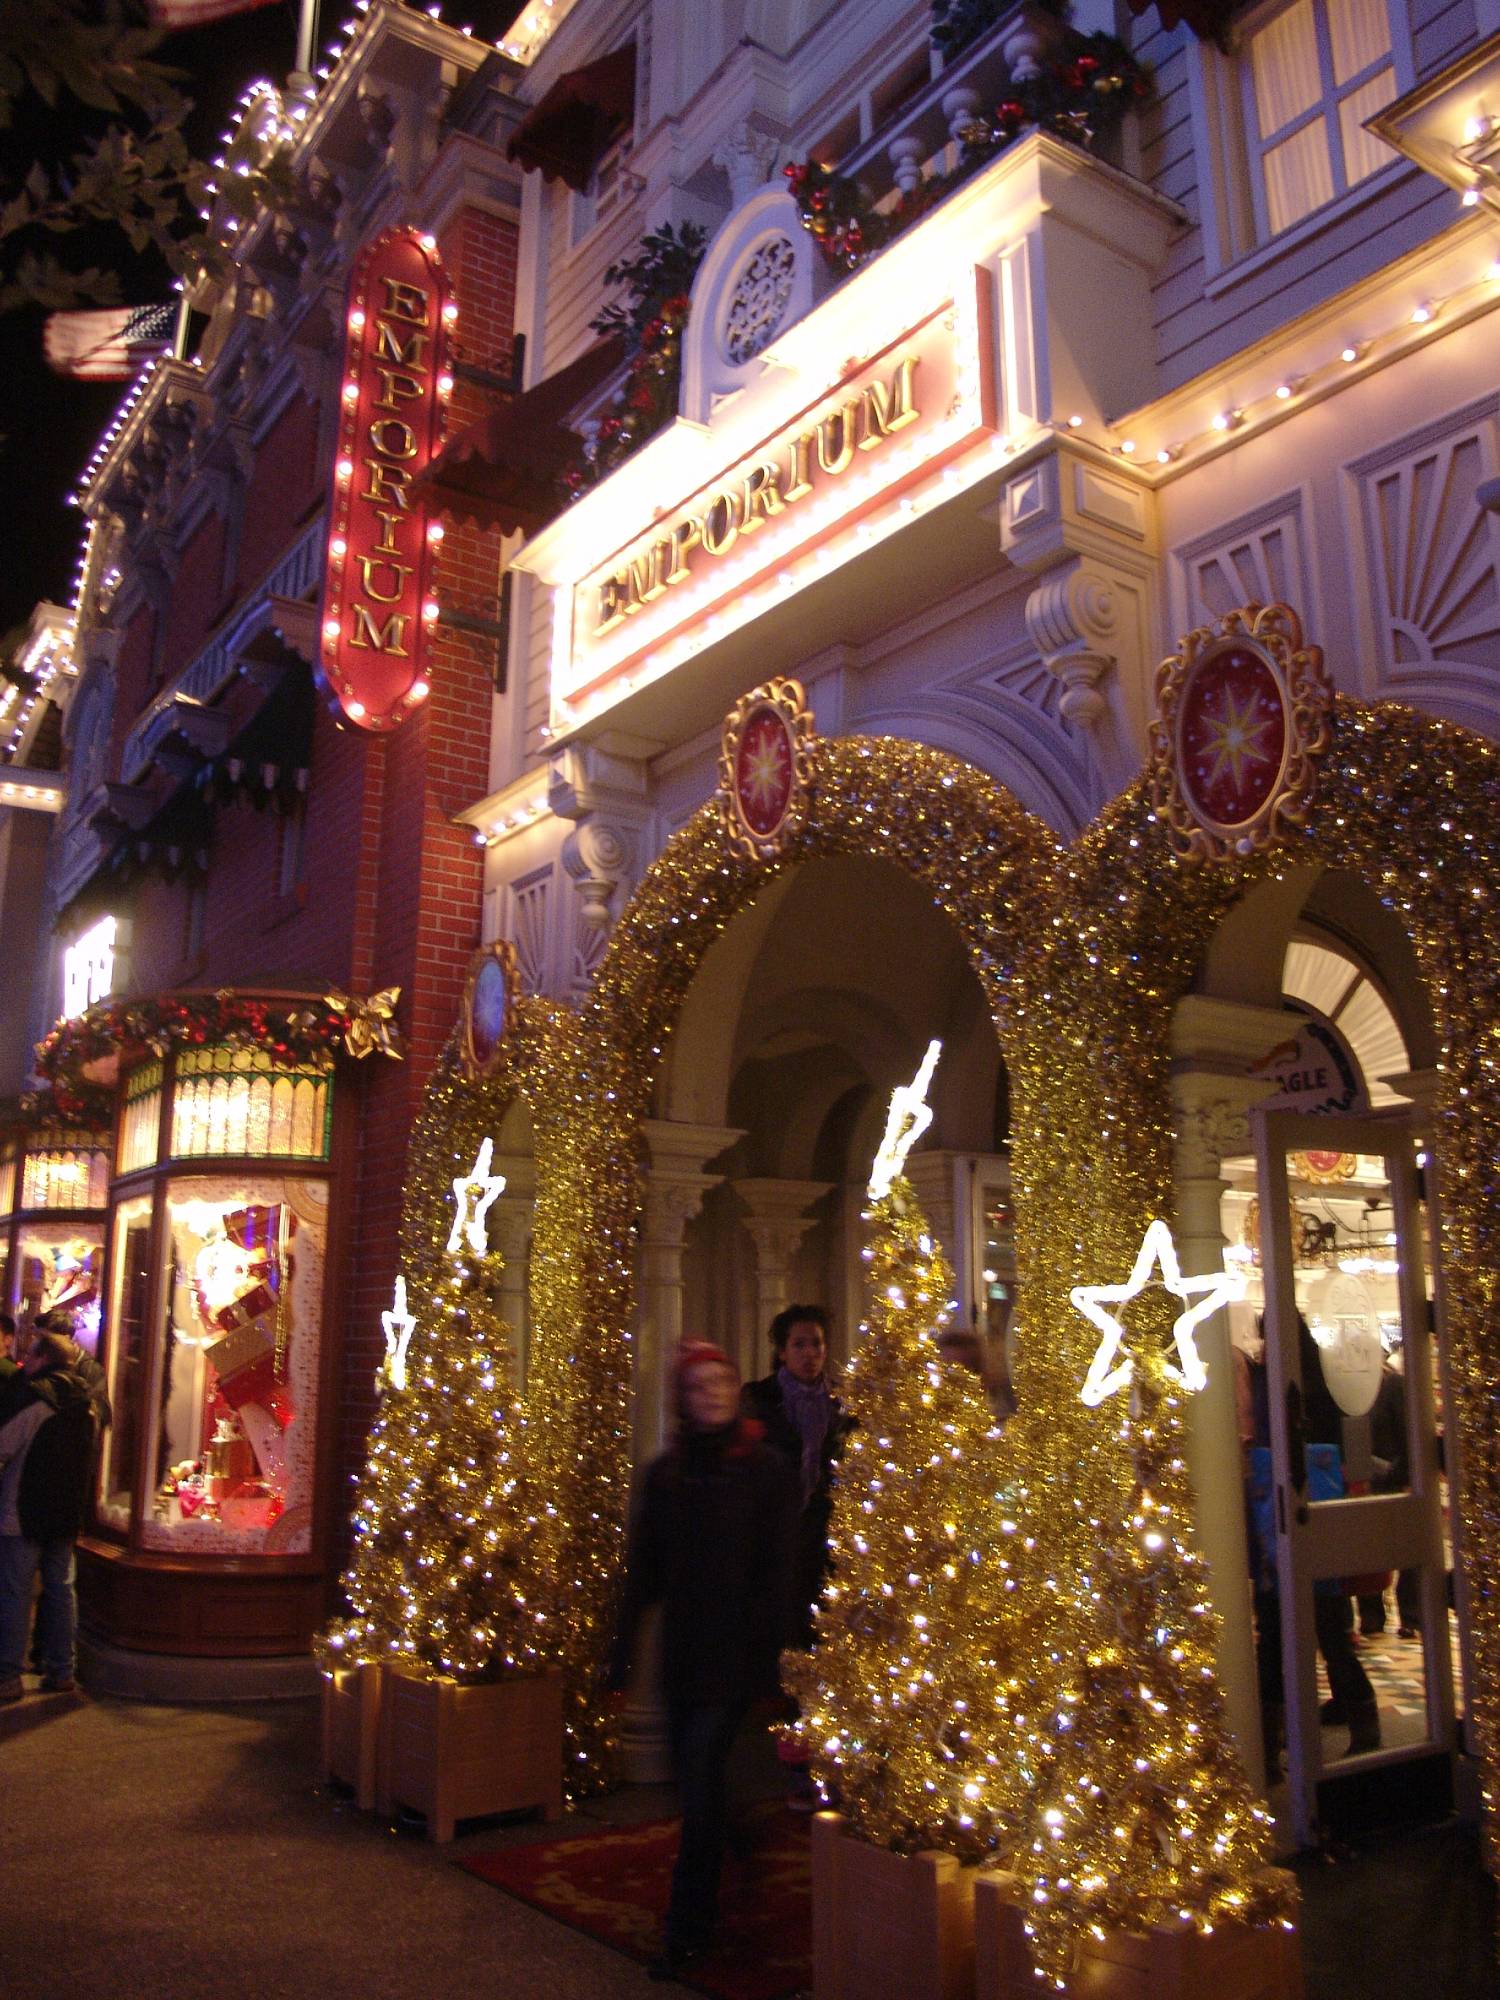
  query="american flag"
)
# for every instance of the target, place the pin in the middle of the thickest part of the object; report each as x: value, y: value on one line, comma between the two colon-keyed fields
x: 193, y: 13
x: 107, y: 343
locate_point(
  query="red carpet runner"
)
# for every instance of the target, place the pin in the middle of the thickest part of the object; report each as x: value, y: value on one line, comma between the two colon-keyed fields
x: 612, y: 1884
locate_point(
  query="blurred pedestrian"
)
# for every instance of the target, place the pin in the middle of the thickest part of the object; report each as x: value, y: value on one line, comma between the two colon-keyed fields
x: 712, y: 1543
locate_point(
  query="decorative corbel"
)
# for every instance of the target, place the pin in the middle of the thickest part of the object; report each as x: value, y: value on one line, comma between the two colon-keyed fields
x: 598, y: 855
x: 1073, y: 617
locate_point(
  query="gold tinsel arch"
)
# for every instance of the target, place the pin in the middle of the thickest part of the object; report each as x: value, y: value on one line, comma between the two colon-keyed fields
x: 1083, y: 955
x: 1412, y: 807
x: 577, y: 1389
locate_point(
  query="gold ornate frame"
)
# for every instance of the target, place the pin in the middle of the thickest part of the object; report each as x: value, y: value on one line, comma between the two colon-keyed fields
x: 1274, y: 632
x: 502, y: 952
x: 789, y: 699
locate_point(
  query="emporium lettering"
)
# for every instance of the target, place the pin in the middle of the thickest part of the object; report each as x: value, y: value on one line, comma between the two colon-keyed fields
x: 861, y: 422
x: 380, y: 575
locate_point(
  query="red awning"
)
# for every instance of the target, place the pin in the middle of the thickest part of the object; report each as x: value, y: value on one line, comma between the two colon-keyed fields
x: 564, y: 136
x: 506, y: 471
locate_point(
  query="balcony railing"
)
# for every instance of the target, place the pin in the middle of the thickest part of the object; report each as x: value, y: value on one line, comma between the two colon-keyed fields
x: 204, y: 679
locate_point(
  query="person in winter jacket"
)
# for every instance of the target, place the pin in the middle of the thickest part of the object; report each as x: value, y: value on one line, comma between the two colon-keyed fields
x: 804, y: 1420
x: 48, y: 1429
x: 712, y: 1544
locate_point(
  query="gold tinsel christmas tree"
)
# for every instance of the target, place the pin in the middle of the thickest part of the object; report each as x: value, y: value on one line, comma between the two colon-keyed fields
x: 446, y: 1522
x: 1140, y: 1814
x: 899, y: 1694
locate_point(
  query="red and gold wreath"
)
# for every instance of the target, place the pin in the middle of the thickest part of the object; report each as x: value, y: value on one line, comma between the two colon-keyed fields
x: 1242, y: 720
x: 766, y: 768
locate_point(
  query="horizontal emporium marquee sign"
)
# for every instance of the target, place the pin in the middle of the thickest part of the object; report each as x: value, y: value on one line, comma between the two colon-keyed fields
x: 378, y: 601
x: 782, y: 512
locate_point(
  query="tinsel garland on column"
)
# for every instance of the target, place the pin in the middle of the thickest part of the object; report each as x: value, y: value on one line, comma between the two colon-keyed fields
x: 906, y: 1725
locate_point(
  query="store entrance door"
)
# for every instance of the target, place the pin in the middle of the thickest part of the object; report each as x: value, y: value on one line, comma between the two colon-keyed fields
x: 1348, y: 1497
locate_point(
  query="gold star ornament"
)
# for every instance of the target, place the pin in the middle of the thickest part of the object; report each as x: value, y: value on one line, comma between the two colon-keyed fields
x: 1110, y: 1369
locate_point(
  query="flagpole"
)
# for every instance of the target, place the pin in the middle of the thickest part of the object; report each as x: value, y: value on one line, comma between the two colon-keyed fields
x: 307, y: 35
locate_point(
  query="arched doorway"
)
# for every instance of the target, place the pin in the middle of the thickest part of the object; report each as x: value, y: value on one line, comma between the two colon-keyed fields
x: 805, y: 1013
x: 1321, y: 1184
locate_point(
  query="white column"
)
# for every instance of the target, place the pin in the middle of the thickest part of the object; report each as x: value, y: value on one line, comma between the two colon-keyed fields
x: 776, y: 1221
x: 1211, y: 1107
x: 675, y: 1187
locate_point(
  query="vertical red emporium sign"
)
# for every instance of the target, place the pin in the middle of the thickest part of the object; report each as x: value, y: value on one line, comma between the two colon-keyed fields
x: 379, y: 605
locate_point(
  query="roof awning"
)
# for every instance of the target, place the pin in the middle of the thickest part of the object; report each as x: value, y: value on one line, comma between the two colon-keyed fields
x: 564, y: 135
x: 1208, y: 19
x: 506, y: 471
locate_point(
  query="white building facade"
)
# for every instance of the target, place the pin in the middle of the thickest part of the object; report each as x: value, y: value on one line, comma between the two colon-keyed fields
x: 1123, y: 377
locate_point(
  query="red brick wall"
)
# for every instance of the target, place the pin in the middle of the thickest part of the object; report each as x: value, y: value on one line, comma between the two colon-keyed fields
x: 285, y: 482
x: 393, y: 888
x: 418, y: 904
x: 132, y: 682
x: 197, y: 596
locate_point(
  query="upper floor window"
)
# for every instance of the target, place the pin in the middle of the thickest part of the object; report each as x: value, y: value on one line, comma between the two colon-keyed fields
x: 609, y: 185
x: 1312, y: 73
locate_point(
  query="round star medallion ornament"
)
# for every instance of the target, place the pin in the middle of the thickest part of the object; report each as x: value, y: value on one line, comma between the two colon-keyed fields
x: 1241, y: 724
x: 490, y: 990
x: 765, y: 768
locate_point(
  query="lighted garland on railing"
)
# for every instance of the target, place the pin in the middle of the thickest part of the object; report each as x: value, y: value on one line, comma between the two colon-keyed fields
x: 1080, y: 97
x: 305, y: 1031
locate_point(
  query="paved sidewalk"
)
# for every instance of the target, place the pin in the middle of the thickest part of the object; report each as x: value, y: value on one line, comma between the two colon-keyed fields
x: 187, y: 1854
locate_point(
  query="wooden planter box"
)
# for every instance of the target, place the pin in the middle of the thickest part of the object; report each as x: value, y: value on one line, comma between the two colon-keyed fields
x: 351, y: 1730
x: 888, y: 1926
x: 453, y: 1752
x: 1233, y: 1962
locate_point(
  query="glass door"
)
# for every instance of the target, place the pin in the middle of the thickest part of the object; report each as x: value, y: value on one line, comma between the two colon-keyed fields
x: 1351, y: 1586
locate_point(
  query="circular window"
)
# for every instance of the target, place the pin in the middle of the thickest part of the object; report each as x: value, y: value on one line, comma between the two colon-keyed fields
x: 758, y: 303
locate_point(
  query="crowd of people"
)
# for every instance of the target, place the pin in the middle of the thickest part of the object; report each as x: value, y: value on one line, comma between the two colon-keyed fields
x: 53, y: 1410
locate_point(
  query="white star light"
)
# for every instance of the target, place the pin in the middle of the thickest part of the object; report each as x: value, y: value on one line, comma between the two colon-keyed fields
x: 398, y: 1324
x: 910, y: 1116
x: 1214, y: 1289
x: 484, y: 1188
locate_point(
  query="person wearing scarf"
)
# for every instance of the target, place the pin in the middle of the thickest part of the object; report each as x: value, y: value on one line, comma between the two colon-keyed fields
x: 806, y: 1423
x: 712, y: 1542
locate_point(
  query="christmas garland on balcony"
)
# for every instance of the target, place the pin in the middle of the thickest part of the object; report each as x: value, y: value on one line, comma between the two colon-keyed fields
x: 657, y: 280
x: 1080, y: 97
x: 306, y: 1031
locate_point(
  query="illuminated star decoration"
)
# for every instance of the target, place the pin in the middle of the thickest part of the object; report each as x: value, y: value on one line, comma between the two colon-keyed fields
x: 483, y: 1188
x: 398, y: 1324
x: 1212, y: 1290
x: 1236, y: 739
x: 909, y: 1117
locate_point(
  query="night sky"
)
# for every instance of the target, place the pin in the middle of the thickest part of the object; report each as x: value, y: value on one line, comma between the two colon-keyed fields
x: 50, y: 425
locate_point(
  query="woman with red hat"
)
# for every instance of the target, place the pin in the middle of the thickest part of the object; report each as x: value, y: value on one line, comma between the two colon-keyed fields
x: 713, y: 1543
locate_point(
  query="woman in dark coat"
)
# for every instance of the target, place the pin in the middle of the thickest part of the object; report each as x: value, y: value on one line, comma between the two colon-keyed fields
x: 805, y: 1421
x: 712, y: 1543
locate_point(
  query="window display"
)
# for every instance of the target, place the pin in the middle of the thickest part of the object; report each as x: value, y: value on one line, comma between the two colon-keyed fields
x: 7, y: 1180
x: 231, y: 1463
x: 129, y: 1319
x: 57, y: 1267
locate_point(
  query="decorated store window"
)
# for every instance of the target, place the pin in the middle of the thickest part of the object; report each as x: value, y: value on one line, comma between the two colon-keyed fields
x: 7, y: 1180
x: 130, y: 1319
x: 57, y: 1266
x: 140, y: 1118
x: 233, y: 1422
x: 65, y: 1170
x: 230, y: 1101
